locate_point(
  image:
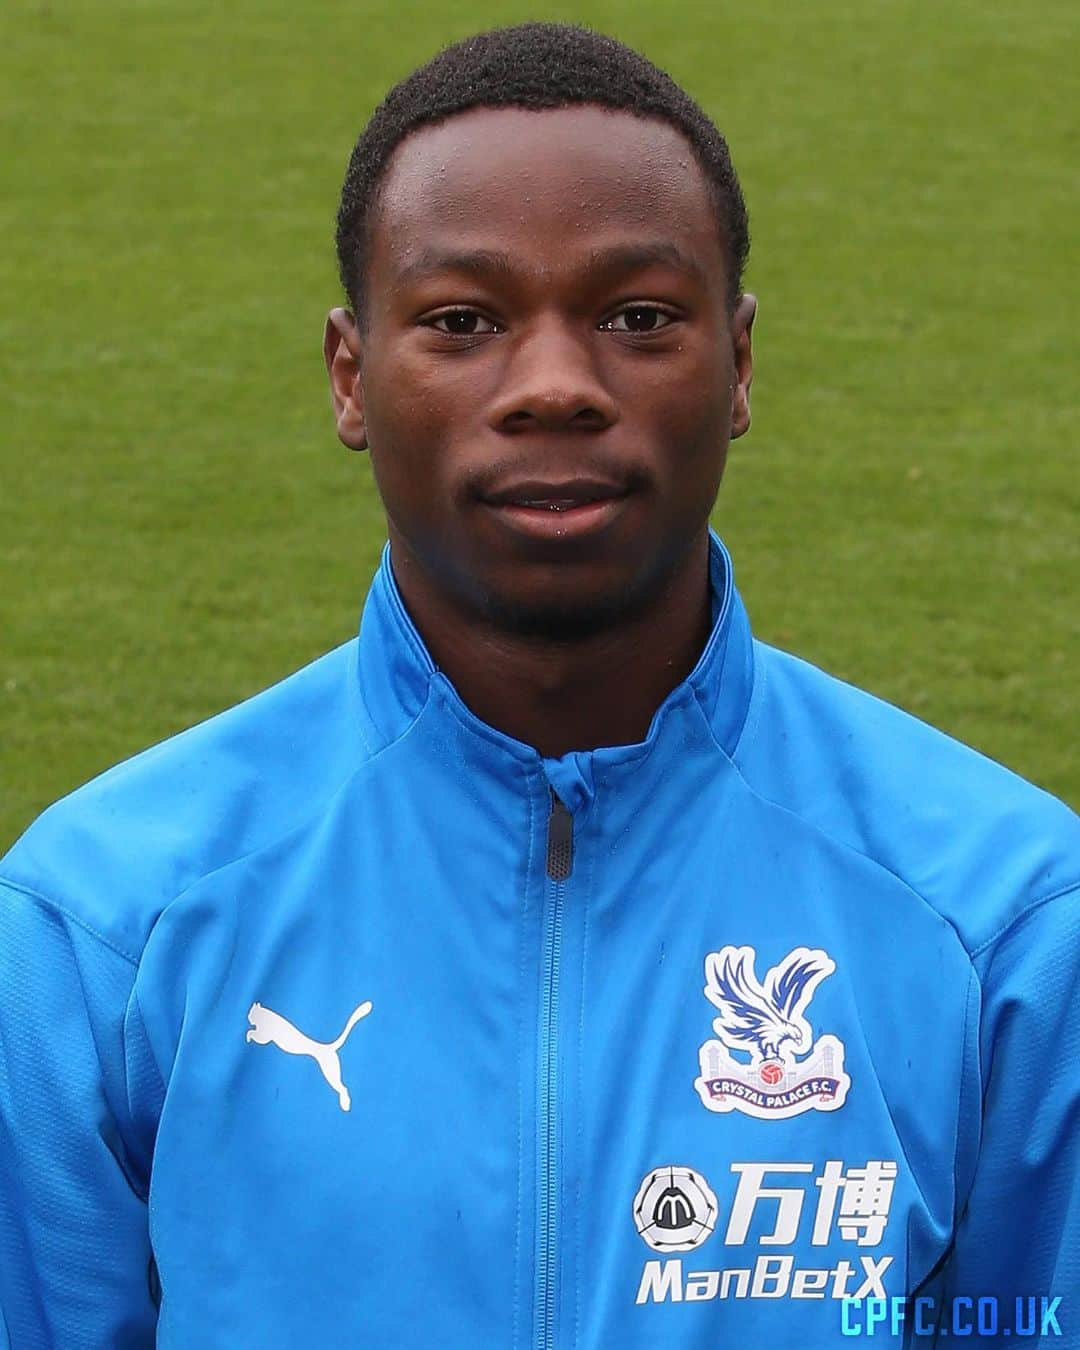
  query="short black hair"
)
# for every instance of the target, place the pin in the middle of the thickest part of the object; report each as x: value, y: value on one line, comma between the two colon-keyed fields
x: 531, y: 65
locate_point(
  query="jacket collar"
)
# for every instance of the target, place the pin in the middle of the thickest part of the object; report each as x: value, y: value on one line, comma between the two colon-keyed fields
x: 398, y: 677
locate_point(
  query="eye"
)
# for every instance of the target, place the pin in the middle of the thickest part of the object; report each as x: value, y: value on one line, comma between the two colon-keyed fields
x: 462, y: 323
x: 638, y: 319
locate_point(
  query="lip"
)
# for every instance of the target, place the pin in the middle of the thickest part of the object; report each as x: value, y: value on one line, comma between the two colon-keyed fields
x: 572, y: 522
x: 533, y: 492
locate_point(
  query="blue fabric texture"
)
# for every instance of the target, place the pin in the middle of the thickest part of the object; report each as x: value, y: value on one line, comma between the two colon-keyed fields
x: 345, y: 1019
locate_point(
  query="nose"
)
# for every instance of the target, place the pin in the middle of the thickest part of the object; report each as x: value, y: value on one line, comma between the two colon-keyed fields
x: 551, y: 382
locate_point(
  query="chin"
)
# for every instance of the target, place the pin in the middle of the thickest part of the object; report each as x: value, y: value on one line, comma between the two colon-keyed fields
x: 569, y: 617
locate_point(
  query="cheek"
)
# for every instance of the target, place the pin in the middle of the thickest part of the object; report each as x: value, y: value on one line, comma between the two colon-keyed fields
x: 412, y: 399
x: 687, y: 406
x: 399, y: 414
x: 408, y: 421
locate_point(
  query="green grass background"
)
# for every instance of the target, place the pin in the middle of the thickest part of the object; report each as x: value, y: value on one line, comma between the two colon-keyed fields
x: 179, y: 526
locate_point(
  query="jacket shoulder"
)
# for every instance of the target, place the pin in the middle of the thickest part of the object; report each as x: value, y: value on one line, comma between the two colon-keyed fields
x: 115, y: 851
x: 976, y: 841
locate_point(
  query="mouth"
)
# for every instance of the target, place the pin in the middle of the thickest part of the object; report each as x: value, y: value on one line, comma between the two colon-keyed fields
x: 566, y: 495
x: 554, y: 504
x: 558, y: 512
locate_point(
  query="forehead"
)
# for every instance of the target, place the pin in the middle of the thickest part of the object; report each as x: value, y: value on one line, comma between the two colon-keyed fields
x: 540, y: 184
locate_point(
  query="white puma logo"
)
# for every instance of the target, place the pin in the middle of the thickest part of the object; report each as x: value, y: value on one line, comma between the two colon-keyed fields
x: 268, y: 1026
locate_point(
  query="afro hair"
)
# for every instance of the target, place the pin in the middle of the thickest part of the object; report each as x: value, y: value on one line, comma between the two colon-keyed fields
x: 531, y: 65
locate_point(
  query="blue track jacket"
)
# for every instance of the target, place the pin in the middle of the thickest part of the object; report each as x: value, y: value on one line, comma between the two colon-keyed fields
x: 345, y: 1020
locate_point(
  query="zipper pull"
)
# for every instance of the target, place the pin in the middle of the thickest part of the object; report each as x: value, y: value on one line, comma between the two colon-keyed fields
x: 560, y: 841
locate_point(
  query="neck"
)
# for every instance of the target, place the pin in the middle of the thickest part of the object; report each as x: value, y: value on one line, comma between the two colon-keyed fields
x: 600, y: 690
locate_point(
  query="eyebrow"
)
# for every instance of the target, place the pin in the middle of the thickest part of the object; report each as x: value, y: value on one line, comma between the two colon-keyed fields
x: 635, y: 257
x: 481, y: 262
x: 476, y: 262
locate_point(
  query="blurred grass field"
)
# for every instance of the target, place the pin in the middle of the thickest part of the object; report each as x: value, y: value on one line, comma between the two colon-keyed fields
x: 179, y: 526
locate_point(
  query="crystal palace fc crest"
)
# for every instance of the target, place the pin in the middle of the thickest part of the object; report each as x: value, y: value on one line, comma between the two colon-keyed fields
x: 777, y: 1069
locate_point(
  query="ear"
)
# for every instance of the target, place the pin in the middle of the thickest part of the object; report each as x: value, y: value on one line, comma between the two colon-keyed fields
x: 342, y: 351
x: 741, y: 324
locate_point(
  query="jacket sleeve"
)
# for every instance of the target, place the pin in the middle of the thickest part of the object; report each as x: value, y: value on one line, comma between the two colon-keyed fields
x: 77, y: 1092
x: 1019, y: 1234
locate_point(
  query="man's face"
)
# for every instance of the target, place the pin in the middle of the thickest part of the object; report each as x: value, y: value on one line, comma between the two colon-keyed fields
x: 549, y: 373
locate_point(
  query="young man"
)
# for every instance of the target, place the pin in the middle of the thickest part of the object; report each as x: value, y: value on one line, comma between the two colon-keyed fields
x: 553, y: 965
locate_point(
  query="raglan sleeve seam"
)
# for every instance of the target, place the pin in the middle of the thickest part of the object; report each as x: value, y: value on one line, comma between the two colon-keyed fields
x: 972, y: 954
x: 855, y: 850
x: 971, y: 1071
x: 70, y: 915
x: 135, y: 1005
x: 1017, y: 920
x: 76, y: 1138
x: 1003, y: 933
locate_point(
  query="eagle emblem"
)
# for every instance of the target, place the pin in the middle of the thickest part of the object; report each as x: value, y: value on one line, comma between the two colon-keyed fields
x: 781, y: 1070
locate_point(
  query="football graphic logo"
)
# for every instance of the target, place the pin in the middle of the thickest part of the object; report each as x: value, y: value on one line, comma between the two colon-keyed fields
x: 674, y: 1209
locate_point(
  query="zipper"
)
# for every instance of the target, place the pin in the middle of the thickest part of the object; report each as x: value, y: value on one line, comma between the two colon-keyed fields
x: 560, y: 862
